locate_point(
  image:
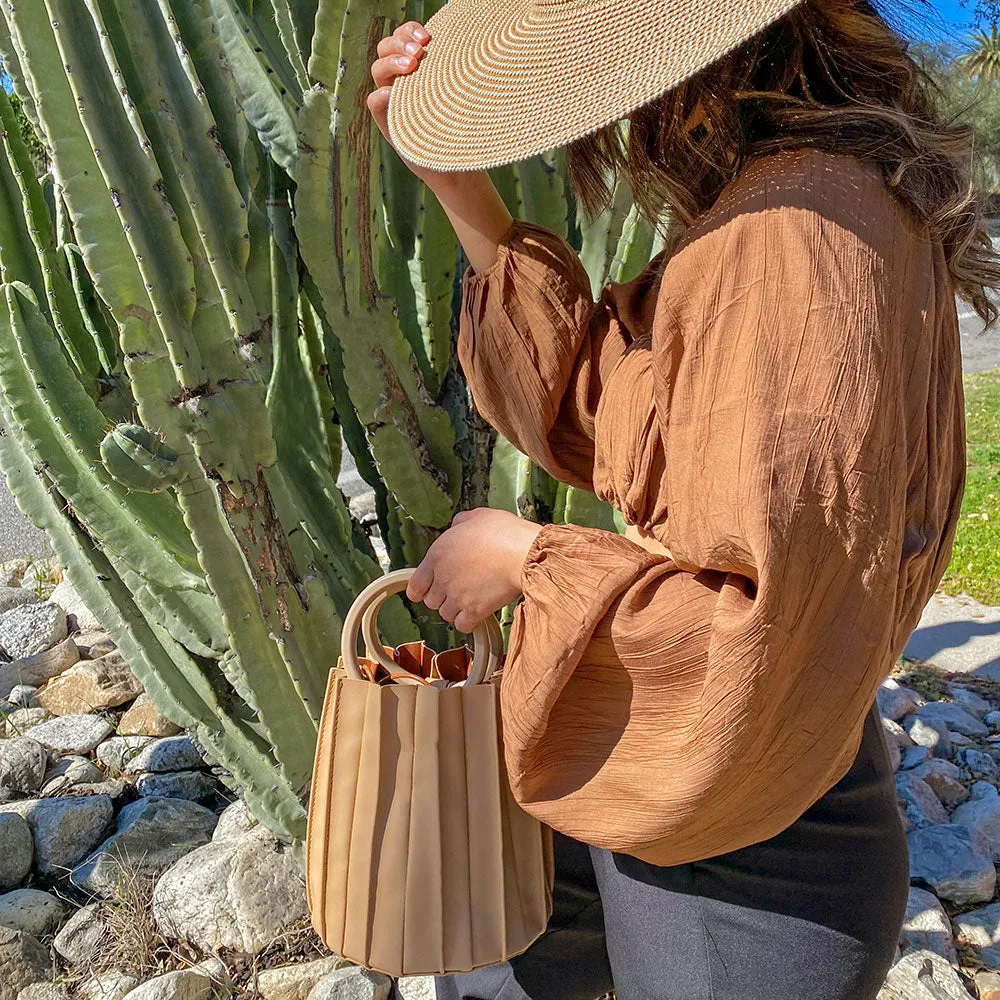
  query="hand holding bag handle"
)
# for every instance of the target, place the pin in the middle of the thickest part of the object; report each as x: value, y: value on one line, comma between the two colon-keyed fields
x: 487, y: 636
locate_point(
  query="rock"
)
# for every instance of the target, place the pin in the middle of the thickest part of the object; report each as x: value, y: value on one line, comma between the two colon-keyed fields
x: 80, y: 935
x: 23, y: 960
x: 896, y: 701
x: 196, y: 786
x: 17, y: 850
x: 16, y: 597
x: 22, y: 767
x: 928, y: 733
x: 970, y: 701
x: 12, y: 571
x: 22, y: 719
x: 988, y: 984
x: 94, y: 644
x: 895, y: 754
x: 116, y: 752
x: 981, y: 814
x: 70, y: 771
x: 927, y: 926
x: 919, y: 803
x: 172, y: 753
x: 152, y: 834
x: 215, y: 969
x: 72, y: 733
x: 63, y: 829
x: 237, y: 893
x: 44, y: 991
x: 959, y: 739
x: 953, y: 717
x: 352, y: 984
x: 32, y: 628
x: 992, y: 719
x: 956, y: 862
x: 293, y: 982
x: 30, y: 910
x: 234, y: 821
x: 924, y: 975
x: 416, y: 988
x: 895, y: 733
x: 144, y: 719
x: 114, y: 788
x: 980, y: 931
x: 915, y: 756
x: 69, y: 600
x: 39, y: 668
x: 90, y: 685
x: 943, y: 778
x: 113, y: 985
x: 23, y: 695
x: 185, y: 984
x: 979, y: 764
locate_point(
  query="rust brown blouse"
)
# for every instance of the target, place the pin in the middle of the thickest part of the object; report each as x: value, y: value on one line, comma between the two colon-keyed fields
x: 780, y: 404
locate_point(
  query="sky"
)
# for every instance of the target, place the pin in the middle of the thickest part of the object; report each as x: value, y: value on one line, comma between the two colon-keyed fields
x: 953, y: 19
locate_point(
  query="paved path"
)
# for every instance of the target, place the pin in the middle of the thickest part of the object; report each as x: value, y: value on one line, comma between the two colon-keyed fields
x: 960, y: 634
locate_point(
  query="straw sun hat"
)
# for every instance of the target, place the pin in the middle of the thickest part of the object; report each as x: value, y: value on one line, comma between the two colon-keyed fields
x: 503, y: 80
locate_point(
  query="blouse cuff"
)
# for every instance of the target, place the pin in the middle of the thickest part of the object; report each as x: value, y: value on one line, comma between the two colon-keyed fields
x: 573, y: 574
x: 505, y: 245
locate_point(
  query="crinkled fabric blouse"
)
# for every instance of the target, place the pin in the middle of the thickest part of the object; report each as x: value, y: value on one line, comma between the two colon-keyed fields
x: 780, y: 404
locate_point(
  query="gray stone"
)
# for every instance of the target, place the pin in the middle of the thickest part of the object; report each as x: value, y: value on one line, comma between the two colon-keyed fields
x: 23, y: 695
x: 116, y: 752
x: 980, y: 931
x: 113, y: 985
x: 70, y: 771
x: 152, y: 834
x: 352, y: 984
x: 992, y: 719
x: 978, y: 764
x: 39, y: 668
x: 80, y: 935
x: 943, y: 777
x: 171, y: 753
x: 956, y: 862
x: 22, y: 766
x: 16, y: 597
x: 416, y: 987
x: 234, y: 821
x: 896, y: 701
x: 30, y: 910
x: 237, y: 893
x: 19, y: 721
x: 63, y: 829
x: 72, y: 733
x: 925, y: 975
x: 32, y: 628
x: 44, y: 991
x: 970, y: 701
x: 919, y: 803
x: 94, y: 644
x: 895, y: 733
x: 17, y: 850
x: 196, y: 786
x: 915, y: 756
x: 959, y: 740
x: 928, y: 733
x: 69, y: 600
x: 927, y: 926
x: 184, y: 984
x: 953, y: 717
x: 895, y: 754
x: 24, y: 960
x: 293, y: 982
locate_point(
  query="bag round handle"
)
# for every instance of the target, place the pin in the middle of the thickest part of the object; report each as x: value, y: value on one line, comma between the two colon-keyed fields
x: 487, y: 638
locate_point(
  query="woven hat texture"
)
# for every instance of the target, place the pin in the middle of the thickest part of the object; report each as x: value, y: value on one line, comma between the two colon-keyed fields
x: 503, y: 80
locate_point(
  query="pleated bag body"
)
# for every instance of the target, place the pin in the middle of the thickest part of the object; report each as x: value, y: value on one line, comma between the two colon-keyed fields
x: 418, y: 859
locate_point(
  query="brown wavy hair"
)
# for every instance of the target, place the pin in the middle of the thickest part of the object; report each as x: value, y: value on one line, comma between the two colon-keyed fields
x: 831, y: 74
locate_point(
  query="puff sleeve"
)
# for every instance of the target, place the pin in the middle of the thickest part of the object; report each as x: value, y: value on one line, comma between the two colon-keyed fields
x: 535, y: 347
x: 680, y: 708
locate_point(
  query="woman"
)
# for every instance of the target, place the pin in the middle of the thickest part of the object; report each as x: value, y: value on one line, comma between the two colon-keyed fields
x: 775, y: 406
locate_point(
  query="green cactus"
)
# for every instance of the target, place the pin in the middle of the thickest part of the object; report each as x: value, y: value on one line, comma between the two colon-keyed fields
x: 228, y: 280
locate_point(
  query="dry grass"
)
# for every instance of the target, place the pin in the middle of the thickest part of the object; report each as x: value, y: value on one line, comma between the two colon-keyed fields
x: 931, y: 682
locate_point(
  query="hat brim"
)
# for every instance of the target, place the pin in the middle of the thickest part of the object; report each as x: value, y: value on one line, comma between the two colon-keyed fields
x: 504, y: 80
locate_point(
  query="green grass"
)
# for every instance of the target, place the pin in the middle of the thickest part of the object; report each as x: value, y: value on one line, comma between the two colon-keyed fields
x: 975, y: 562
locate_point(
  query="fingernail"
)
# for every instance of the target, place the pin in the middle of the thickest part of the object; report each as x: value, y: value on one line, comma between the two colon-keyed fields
x: 402, y: 61
x: 412, y: 47
x: 421, y: 33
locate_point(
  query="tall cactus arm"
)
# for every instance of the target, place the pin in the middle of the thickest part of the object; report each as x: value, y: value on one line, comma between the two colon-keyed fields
x: 269, y: 98
x: 175, y: 681
x: 411, y: 439
x: 11, y: 58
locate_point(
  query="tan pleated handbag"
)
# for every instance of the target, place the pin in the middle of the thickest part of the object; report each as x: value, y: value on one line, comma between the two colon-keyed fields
x: 418, y: 860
